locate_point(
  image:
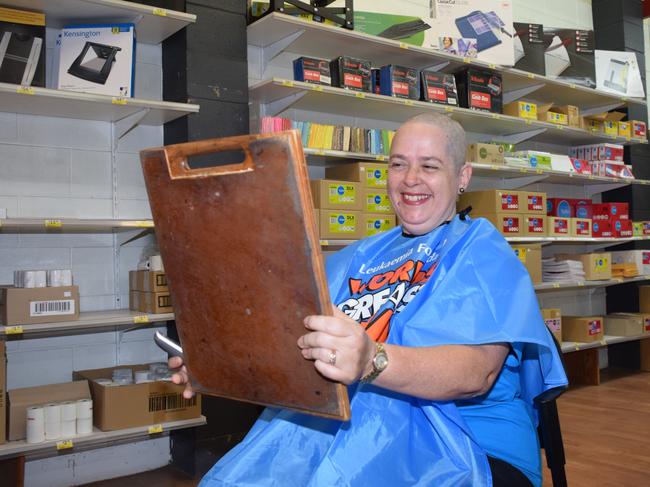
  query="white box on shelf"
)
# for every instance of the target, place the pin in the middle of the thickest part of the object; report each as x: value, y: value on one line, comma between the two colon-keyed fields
x: 97, y: 59
x: 618, y: 72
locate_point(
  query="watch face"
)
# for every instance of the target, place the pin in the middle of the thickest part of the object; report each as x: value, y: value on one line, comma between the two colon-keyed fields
x: 381, y: 361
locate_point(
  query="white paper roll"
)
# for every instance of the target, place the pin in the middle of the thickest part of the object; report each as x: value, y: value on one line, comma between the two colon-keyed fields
x: 84, y: 426
x: 52, y: 431
x: 28, y: 279
x: 85, y: 409
x: 59, y: 277
x: 35, y: 424
x: 68, y: 411
x: 156, y: 263
x: 40, y: 278
x: 141, y: 376
x: 68, y: 428
x: 52, y: 413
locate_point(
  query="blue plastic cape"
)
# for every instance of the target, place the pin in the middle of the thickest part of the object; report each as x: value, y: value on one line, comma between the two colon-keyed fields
x: 459, y: 284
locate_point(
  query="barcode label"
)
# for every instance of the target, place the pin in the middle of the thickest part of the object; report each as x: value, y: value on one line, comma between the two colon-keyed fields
x: 51, y: 308
x: 165, y: 402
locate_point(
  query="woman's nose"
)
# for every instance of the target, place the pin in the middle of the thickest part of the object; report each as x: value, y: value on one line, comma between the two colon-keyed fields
x: 412, y: 175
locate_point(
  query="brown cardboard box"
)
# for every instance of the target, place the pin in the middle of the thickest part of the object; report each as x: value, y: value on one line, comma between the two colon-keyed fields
x: 531, y: 256
x: 644, y: 299
x: 485, y: 153
x: 26, y: 306
x: 521, y: 109
x: 369, y: 174
x: 151, y: 282
x: 341, y: 224
x: 376, y: 201
x: 374, y: 223
x: 533, y: 202
x: 580, y: 227
x: 128, y: 406
x: 546, y: 112
x: 493, y: 201
x: 509, y: 224
x: 553, y: 320
x: 20, y: 399
x: 607, y: 122
x: 597, y: 266
x: 155, y: 302
x: 134, y: 300
x: 583, y: 329
x: 534, y: 226
x: 133, y: 280
x: 329, y: 194
x: 627, y: 324
x: 572, y: 113
x: 3, y: 393
x: 558, y: 226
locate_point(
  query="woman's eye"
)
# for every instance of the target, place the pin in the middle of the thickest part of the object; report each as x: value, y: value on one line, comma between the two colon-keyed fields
x: 429, y: 167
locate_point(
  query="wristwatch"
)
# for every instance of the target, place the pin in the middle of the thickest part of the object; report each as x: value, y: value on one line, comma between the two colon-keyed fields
x: 379, y: 363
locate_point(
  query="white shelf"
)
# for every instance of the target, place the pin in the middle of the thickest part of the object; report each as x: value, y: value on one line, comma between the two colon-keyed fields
x: 562, y: 286
x: 568, y: 347
x: 96, y: 439
x: 87, y: 106
x: 70, y: 225
x: 153, y: 25
x: 277, y: 32
x: 88, y: 321
x: 574, y: 240
x: 277, y: 95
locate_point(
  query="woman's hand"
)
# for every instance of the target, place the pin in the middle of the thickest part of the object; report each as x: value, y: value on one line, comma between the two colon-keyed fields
x: 339, y: 346
x: 181, y: 377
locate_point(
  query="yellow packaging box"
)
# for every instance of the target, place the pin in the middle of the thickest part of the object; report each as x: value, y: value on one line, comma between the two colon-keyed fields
x: 369, y: 174
x: 376, y: 201
x: 337, y: 224
x: 546, y: 112
x: 521, y: 109
x: 374, y: 223
x: 330, y: 194
x: 637, y: 229
x: 597, y: 267
x: 553, y: 320
x: 625, y: 129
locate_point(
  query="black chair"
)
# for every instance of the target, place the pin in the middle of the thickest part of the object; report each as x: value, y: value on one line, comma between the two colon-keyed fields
x: 549, y: 431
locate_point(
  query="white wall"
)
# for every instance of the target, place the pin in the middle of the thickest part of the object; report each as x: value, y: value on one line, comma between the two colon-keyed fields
x: 570, y: 14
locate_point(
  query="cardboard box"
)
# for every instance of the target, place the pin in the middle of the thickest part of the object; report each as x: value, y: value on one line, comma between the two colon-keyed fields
x: 644, y: 299
x: 560, y: 207
x: 376, y: 201
x: 597, y: 267
x: 531, y: 256
x: 646, y: 228
x: 369, y: 174
x: 312, y: 70
x: 637, y: 229
x: 521, y: 109
x: 558, y: 226
x: 601, y: 229
x: 553, y: 320
x: 399, y: 82
x: 536, y: 159
x: 341, y: 224
x: 546, y: 112
x: 493, y: 201
x: 611, y: 170
x: 569, y: 54
x: 3, y: 393
x: 377, y: 223
x: 351, y: 73
x: 155, y: 303
x: 485, y: 153
x: 151, y: 281
x: 26, y: 306
x: 22, y: 41
x: 438, y: 87
x: 134, y: 300
x: 592, y: 125
x: 128, y: 406
x: 534, y: 226
x: 580, y: 227
x: 583, y: 209
x: 622, y: 229
x: 618, y: 72
x: 529, y: 47
x: 610, y: 211
x: 102, y: 65
x: 625, y: 129
x: 508, y: 224
x: 480, y: 90
x: 583, y: 329
x: 534, y: 202
x: 639, y: 129
x: 20, y: 399
x: 329, y: 194
x: 627, y: 324
x: 573, y: 114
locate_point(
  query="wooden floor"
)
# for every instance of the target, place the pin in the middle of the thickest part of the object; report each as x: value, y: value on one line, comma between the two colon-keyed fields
x: 606, y: 432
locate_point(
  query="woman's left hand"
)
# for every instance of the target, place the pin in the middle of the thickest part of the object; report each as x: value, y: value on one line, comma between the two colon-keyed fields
x: 339, y: 346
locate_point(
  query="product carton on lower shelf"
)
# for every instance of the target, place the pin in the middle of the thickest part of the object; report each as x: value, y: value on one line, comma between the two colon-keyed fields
x: 627, y: 324
x: 341, y: 224
x: 368, y: 174
x: 553, y: 320
x: 583, y: 329
x: 508, y: 224
x: 132, y: 405
x: 26, y: 306
x: 597, y: 266
x: 531, y: 256
x: 493, y: 201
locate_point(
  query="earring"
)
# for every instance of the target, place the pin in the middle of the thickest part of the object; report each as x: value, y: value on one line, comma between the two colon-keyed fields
x: 461, y: 190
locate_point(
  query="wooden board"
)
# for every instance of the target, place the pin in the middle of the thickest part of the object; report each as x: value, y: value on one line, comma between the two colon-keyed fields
x: 244, y: 268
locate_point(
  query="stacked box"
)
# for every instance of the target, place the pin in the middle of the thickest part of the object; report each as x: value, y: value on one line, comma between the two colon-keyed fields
x: 368, y: 174
x: 627, y: 324
x: 438, y: 88
x: 400, y: 82
x: 612, y: 217
x: 553, y: 320
x: 376, y: 201
x: 534, y: 226
x: 558, y: 226
x: 597, y: 267
x: 580, y: 227
x: 480, y: 90
x: 149, y: 292
x: 331, y: 194
x: 531, y: 256
x: 521, y: 109
x: 583, y: 329
x: 312, y: 70
x: 377, y: 223
x: 341, y: 224
x: 351, y: 73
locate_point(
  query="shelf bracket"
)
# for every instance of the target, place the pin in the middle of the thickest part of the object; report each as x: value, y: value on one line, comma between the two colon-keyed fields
x: 516, y: 183
x: 275, y: 107
x: 513, y: 95
x: 137, y: 236
x: 600, y: 109
x: 519, y: 137
x: 437, y: 67
x: 593, y: 189
x: 272, y: 50
x: 124, y: 125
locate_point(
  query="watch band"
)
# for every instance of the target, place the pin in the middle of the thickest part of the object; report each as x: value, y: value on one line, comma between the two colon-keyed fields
x: 374, y: 373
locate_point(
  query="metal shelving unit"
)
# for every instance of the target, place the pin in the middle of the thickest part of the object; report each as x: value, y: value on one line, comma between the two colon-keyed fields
x: 568, y: 347
x: 70, y: 225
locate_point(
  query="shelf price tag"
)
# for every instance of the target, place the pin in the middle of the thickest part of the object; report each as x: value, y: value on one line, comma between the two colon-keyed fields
x: 156, y: 428
x: 467, y: 60
x: 492, y: 66
x: 496, y: 116
x: 324, y: 243
x: 380, y: 158
x: 25, y: 90
x: 53, y: 223
x: 577, y: 346
x: 320, y: 153
x: 14, y: 330
x: 140, y: 319
x: 360, y: 95
x: 531, y: 75
x: 64, y: 445
x: 408, y: 103
x: 161, y: 12
x: 603, y: 342
x: 449, y: 109
x: 143, y: 223
x: 572, y: 85
x: 287, y: 83
x: 118, y: 100
x: 317, y: 88
x: 556, y: 285
x: 403, y: 45
x: 539, y: 171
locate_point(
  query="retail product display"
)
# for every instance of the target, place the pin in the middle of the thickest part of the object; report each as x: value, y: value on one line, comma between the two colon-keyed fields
x: 97, y: 59
x: 485, y: 153
x: 584, y: 329
x: 627, y: 324
x: 493, y: 201
x: 461, y: 46
x: 553, y: 320
x: 336, y: 195
x: 618, y: 72
x: 548, y: 112
x: 400, y: 82
x: 376, y: 223
x: 554, y: 270
x: 597, y: 266
x: 480, y: 90
x: 369, y: 174
x: 569, y: 54
x: 339, y: 224
x: 149, y: 292
x: 350, y: 73
x: 536, y: 159
x: 31, y: 305
x: 521, y: 109
x: 640, y: 259
x: 558, y: 226
x: 22, y: 47
x: 438, y: 88
x: 529, y: 47
x: 531, y: 256
x: 312, y: 70
x: 375, y: 201
x: 534, y: 226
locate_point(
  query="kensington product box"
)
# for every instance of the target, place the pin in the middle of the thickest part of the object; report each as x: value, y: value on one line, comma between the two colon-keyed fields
x: 493, y: 201
x: 399, y: 81
x: 438, y: 87
x: 376, y: 201
x: 553, y: 320
x: 601, y: 229
x: 128, y: 406
x: 312, y: 70
x: 98, y: 59
x: 569, y: 54
x: 508, y: 224
x: 627, y: 324
x: 521, y: 109
x: 350, y: 73
x: 341, y: 224
x: 22, y: 47
x: 569, y: 208
x: 369, y: 174
x: 597, y: 267
x: 531, y: 256
x: 485, y: 153
x: 529, y: 47
x: 534, y: 202
x: 27, y: 306
x: 583, y: 329
x: 480, y: 90
x: 330, y: 194
x: 377, y: 223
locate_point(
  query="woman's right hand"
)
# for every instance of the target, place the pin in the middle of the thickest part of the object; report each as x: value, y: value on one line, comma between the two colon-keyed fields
x: 181, y: 377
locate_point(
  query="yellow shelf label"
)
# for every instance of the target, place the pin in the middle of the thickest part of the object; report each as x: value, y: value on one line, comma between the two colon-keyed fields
x: 317, y: 88
x: 492, y: 66
x: 53, y: 223
x: 581, y: 284
x: 156, y: 428
x: 496, y: 116
x: 528, y: 122
x: 320, y: 153
x: 523, y: 169
x: 603, y: 342
x: 494, y: 168
x: 560, y: 127
x: 627, y: 137
x: 572, y: 85
x: 25, y: 90
x: 577, y: 346
x: 403, y: 45
x: 556, y: 285
x: 539, y: 171
x: 380, y: 158
x: 449, y: 109
x: 531, y: 75
x: 591, y: 176
x: 141, y: 319
x: 324, y: 243
x: 467, y: 60
x: 143, y: 224
x: 624, y: 98
x: 118, y: 100
x: 160, y: 12
x: 408, y: 103
x: 14, y: 330
x: 287, y: 83
x: 360, y: 95
x: 64, y: 444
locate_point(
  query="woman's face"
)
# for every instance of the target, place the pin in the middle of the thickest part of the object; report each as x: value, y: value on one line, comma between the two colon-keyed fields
x: 446, y: 42
x: 422, y: 180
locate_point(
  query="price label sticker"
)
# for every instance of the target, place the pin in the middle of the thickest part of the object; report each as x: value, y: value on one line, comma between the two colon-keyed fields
x: 603, y: 342
x: 624, y: 98
x: 161, y: 12
x: 403, y: 45
x: 591, y: 176
x: 360, y: 95
x: 118, y: 100
x: 523, y: 169
x: 156, y: 428
x: 494, y: 168
x: 408, y: 103
x: 317, y: 88
x: 539, y: 171
x: 449, y: 109
x: 531, y: 76
x: 560, y: 127
x: 572, y: 86
x: 14, y: 330
x: 324, y: 243
x: 140, y: 319
x: 64, y: 444
x: 581, y: 284
x: 287, y: 83
x: 380, y: 158
x: 492, y: 66
x: 53, y: 223
x: 556, y: 285
x: 627, y: 138
x: 528, y: 122
x: 467, y: 60
x: 577, y: 346
x: 143, y: 223
x: 25, y: 90
x: 320, y: 152
x: 496, y: 116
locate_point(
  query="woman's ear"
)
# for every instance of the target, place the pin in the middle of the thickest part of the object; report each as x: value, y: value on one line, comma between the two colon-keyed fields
x: 464, y: 177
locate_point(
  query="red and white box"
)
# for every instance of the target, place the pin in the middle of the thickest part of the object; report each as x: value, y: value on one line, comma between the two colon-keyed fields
x: 602, y: 229
x: 607, y: 152
x: 610, y: 211
x: 562, y: 207
x: 612, y: 170
x: 535, y: 203
x: 639, y: 129
x: 581, y: 227
x: 580, y: 166
x: 559, y: 227
x: 534, y: 225
x: 582, y: 208
x: 622, y: 228
x: 646, y: 228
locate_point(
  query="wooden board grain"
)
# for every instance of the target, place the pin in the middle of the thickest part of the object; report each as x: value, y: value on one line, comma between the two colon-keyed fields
x: 244, y: 268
